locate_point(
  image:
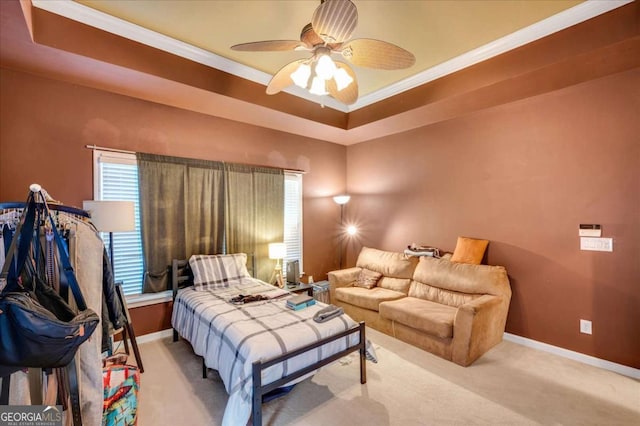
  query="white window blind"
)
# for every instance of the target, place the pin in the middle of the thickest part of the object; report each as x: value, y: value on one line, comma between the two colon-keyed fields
x: 293, y: 217
x: 116, y: 179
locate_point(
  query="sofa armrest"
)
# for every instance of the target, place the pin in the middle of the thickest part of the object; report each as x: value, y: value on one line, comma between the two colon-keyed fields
x: 478, y: 326
x: 342, y: 278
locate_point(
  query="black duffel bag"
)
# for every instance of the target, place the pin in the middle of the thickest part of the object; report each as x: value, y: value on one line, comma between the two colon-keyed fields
x: 33, y: 337
x: 38, y: 327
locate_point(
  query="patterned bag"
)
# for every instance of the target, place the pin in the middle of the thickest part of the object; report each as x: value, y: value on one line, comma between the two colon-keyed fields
x: 121, y: 386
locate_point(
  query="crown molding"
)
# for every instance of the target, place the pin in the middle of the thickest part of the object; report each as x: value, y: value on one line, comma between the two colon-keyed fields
x: 111, y: 24
x: 86, y: 15
x: 553, y: 24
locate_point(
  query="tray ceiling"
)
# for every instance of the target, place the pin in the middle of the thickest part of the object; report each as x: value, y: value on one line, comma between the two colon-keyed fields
x: 434, y: 31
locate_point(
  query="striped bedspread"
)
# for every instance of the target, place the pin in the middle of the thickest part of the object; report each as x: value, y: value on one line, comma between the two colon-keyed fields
x: 231, y: 337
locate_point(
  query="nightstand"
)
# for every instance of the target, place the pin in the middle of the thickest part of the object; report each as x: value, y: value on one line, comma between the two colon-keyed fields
x: 300, y: 288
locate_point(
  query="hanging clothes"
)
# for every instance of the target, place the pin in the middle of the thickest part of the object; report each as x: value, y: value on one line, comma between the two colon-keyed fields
x: 112, y: 312
x: 2, y: 250
x: 87, y: 252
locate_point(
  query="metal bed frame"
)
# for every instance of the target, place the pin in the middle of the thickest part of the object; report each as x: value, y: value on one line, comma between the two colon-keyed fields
x: 182, y: 277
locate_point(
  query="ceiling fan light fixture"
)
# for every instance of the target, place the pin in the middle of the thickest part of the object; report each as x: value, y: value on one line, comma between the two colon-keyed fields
x: 325, y: 67
x: 318, y: 87
x: 301, y: 76
x: 342, y: 78
x: 332, y: 24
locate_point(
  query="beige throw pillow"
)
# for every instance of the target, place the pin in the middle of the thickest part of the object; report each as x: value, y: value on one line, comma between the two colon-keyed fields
x: 367, y: 279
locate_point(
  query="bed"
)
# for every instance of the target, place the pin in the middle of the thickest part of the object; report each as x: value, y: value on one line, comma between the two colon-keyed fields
x: 259, y: 347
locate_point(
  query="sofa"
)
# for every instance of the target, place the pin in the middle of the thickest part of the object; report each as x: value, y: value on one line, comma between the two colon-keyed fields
x: 454, y: 310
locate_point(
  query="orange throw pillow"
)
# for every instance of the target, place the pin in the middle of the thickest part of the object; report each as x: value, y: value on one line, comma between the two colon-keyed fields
x: 469, y: 250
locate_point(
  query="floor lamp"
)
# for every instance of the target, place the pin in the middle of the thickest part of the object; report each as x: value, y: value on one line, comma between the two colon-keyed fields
x: 341, y: 200
x: 111, y: 216
x: 277, y: 251
x: 116, y: 216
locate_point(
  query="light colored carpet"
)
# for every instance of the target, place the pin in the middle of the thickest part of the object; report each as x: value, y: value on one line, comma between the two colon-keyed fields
x: 510, y: 385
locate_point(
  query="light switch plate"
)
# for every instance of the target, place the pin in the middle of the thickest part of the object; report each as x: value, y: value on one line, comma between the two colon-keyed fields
x: 596, y: 244
x: 585, y: 327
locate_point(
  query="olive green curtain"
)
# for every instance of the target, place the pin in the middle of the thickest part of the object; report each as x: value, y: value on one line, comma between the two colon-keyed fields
x: 181, y: 213
x: 254, y: 213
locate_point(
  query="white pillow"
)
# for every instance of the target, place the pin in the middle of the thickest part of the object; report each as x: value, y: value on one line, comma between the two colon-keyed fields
x: 217, y: 271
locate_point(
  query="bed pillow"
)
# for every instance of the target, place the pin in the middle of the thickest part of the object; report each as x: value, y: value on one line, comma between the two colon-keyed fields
x: 367, y: 279
x: 469, y: 250
x: 217, y: 271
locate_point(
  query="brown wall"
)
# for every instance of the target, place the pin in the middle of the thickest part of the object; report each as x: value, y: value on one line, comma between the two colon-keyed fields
x: 524, y: 176
x: 45, y: 125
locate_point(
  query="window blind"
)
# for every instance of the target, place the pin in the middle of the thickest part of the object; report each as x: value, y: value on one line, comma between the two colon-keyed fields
x: 118, y: 181
x: 293, y: 217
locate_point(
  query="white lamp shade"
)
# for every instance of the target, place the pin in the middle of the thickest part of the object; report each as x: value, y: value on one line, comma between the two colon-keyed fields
x: 341, y: 199
x: 318, y: 87
x: 301, y: 76
x: 325, y: 67
x: 111, y: 216
x: 342, y: 78
x: 277, y: 251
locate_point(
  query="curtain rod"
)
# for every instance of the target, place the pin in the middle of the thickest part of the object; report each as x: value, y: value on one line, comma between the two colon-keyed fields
x: 124, y: 151
x: 102, y: 148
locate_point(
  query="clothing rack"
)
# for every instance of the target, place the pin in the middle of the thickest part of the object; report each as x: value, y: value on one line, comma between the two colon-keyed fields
x: 127, y: 331
x: 57, y: 207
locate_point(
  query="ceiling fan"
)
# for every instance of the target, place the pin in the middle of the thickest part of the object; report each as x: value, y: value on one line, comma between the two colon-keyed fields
x: 332, y: 24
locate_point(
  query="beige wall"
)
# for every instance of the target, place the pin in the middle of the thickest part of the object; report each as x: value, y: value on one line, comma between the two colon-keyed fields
x: 524, y: 175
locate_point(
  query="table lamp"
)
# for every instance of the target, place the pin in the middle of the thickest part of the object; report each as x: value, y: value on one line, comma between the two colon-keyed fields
x: 277, y: 251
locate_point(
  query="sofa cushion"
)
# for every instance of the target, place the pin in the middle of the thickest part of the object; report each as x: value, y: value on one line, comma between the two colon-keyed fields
x: 469, y: 250
x: 440, y: 295
x: 365, y: 298
x: 395, y: 284
x: 463, y: 277
x: 389, y: 264
x: 429, y: 317
x: 367, y: 279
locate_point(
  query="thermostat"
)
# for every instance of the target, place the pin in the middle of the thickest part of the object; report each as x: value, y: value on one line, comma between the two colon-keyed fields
x: 590, y: 230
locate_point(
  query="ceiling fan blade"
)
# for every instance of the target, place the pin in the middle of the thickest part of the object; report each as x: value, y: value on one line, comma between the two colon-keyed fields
x: 349, y: 94
x: 267, y: 46
x: 282, y: 79
x: 335, y: 20
x: 370, y: 53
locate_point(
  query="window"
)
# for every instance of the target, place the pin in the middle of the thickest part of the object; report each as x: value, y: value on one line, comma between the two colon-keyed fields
x: 116, y: 178
x: 293, y: 217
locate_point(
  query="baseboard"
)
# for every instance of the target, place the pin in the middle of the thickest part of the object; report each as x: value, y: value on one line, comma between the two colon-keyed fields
x: 146, y: 338
x: 576, y: 356
x: 566, y: 353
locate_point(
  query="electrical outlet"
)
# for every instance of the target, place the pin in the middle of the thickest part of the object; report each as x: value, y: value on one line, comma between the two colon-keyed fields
x: 585, y: 326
